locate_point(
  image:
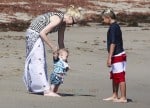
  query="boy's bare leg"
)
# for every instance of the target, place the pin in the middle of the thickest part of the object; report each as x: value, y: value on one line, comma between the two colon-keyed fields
x: 115, y: 92
x: 123, y: 93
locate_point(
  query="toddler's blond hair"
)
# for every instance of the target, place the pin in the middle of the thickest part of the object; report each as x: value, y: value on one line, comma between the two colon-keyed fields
x: 63, y: 50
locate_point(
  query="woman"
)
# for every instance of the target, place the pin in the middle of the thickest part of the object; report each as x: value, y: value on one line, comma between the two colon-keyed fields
x: 35, y: 73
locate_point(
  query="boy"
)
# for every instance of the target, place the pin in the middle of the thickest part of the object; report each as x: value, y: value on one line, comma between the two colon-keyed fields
x: 116, y: 57
x: 60, y: 68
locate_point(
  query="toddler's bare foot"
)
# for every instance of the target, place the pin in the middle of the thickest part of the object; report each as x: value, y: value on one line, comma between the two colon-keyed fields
x: 110, y: 98
x: 121, y: 100
x: 52, y: 94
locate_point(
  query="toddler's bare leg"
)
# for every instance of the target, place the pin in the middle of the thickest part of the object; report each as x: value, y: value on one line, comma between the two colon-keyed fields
x: 52, y: 91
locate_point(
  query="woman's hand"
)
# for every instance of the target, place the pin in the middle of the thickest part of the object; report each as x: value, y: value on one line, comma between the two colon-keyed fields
x: 54, y: 49
x: 55, y: 54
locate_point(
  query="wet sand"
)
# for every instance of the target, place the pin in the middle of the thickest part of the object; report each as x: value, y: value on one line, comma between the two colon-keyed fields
x: 87, y: 83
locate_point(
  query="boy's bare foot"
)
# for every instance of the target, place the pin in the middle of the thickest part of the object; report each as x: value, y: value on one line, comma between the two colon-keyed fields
x: 121, y: 100
x: 52, y: 94
x: 110, y: 98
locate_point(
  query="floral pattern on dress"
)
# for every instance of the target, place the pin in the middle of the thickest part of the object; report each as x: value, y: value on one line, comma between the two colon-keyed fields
x: 31, y: 38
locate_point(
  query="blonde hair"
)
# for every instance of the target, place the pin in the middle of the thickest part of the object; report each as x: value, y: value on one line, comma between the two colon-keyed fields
x: 74, y: 12
x: 109, y: 13
x: 63, y: 50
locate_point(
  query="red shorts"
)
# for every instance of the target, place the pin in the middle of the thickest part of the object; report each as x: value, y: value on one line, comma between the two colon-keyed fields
x: 117, y: 73
x: 117, y: 77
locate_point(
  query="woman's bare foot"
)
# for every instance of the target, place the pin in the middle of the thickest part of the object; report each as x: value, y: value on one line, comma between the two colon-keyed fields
x: 121, y: 100
x: 52, y: 94
x: 112, y: 98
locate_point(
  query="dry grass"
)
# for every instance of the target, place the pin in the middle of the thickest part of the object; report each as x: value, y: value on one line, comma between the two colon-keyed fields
x: 35, y: 7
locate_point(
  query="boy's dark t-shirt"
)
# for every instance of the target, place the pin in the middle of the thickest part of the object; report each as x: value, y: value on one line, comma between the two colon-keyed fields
x: 114, y: 36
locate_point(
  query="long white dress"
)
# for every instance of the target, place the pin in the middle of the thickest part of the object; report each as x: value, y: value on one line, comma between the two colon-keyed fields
x: 35, y: 73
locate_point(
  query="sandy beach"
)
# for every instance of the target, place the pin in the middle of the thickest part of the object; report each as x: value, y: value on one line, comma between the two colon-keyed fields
x: 87, y: 83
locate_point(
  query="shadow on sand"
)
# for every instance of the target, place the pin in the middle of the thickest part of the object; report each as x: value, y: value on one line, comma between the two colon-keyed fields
x: 67, y: 95
x: 84, y: 95
x: 129, y: 100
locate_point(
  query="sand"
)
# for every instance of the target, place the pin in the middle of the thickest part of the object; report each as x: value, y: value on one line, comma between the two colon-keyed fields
x: 87, y: 83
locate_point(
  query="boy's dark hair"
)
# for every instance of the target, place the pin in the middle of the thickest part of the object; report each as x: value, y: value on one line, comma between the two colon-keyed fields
x: 108, y: 13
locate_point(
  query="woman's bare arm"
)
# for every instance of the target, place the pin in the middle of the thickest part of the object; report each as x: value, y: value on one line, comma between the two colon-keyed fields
x: 55, y: 21
x: 61, y: 36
